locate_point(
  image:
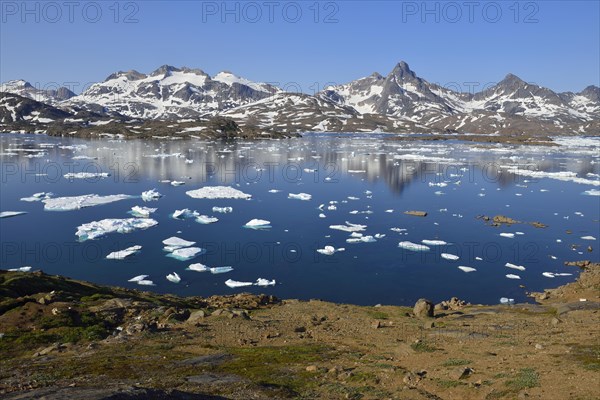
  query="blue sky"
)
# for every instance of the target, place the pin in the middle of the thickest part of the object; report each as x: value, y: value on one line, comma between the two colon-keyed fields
x: 552, y: 43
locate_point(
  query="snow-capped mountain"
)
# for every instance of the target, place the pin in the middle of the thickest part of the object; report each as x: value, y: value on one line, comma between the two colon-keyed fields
x: 26, y: 89
x: 399, y: 102
x: 171, y: 93
x: 510, y: 104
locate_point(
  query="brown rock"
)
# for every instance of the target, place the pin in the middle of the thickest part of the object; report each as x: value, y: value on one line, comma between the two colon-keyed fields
x: 423, y: 309
x: 416, y: 213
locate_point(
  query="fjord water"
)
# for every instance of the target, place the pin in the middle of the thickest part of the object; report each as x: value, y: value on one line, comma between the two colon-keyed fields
x: 360, y: 172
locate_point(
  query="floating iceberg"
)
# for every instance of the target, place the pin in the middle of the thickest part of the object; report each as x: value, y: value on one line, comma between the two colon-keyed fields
x: 234, y: 284
x: 96, y: 229
x: 176, y: 242
x: 349, y: 227
x: 86, y: 175
x: 548, y: 274
x: 507, y: 235
x: 145, y: 282
x: 205, y: 219
x: 329, y: 250
x: 198, y: 267
x: 138, y: 278
x: 513, y: 276
x: 506, y: 300
x: 466, y: 269
x: 38, y: 197
x: 513, y: 266
x: 274, y: 191
x: 448, y: 256
x: 265, y: 282
x: 185, y: 253
x: 185, y: 213
x: 9, y: 214
x: 561, y: 175
x: 222, y: 210
x: 151, y: 195
x: 78, y: 202
x: 258, y: 224
x: 174, y: 277
x: 434, y: 242
x: 177, y: 183
x: 361, y: 239
x: 300, y: 196
x: 217, y: 192
x: 592, y: 192
x: 413, y: 246
x: 143, y: 212
x: 220, y: 270
x: 121, y: 254
x: 588, y: 238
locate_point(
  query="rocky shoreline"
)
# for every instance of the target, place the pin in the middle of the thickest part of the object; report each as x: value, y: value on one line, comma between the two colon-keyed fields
x: 62, y: 338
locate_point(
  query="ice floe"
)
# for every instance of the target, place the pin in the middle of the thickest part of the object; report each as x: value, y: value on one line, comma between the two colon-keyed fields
x: 349, y: 227
x: 185, y: 253
x: 330, y: 250
x: 448, y: 256
x: 78, y: 202
x: 21, y: 269
x: 143, y: 212
x: 222, y: 210
x: 220, y: 270
x: 217, y: 192
x: 121, y: 254
x: 138, y: 278
x: 361, y: 239
x: 96, y: 229
x: 185, y: 213
x: 9, y: 214
x: 177, y: 242
x: 506, y: 300
x: 513, y: 266
x: 38, y: 197
x: 151, y: 195
x: 265, y: 282
x: 466, y: 269
x: 198, y: 267
x: 235, y: 284
x: 86, y: 175
x: 258, y: 224
x: 434, y: 242
x: 507, y: 235
x: 413, y: 246
x: 300, y: 196
x: 174, y: 277
x: 513, y: 276
x: 145, y: 282
x: 592, y: 192
x: 205, y: 219
x: 588, y: 238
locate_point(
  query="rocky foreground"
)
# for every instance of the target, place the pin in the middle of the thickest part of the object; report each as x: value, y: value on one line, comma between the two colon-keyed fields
x: 66, y: 339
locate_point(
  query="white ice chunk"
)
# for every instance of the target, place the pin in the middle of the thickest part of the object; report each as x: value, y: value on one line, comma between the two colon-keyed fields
x: 217, y: 192
x: 265, y: 282
x: 138, y: 278
x: 185, y: 253
x: 176, y: 242
x: 466, y: 269
x: 449, y: 256
x: 235, y: 284
x: 220, y: 270
x: 174, y: 277
x: 349, y: 227
x: 198, y: 267
x: 506, y: 300
x: 222, y: 210
x: 513, y: 266
x: 507, y: 235
x: 145, y: 282
x: 21, y: 269
x: 588, y: 238
x: 548, y: 274
x: 513, y: 276
x: 78, y: 202
x: 151, y: 195
x: 86, y: 175
x: 185, y: 213
x: 413, y: 246
x: 433, y: 242
x: 330, y: 250
x: 142, y: 211
x: 177, y: 183
x: 205, y: 219
x: 8, y: 214
x: 300, y: 196
x: 258, y: 224
x: 121, y: 254
x: 362, y: 239
x: 96, y: 229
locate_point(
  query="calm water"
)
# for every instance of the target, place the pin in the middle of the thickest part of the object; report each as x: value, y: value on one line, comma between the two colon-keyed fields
x: 359, y: 173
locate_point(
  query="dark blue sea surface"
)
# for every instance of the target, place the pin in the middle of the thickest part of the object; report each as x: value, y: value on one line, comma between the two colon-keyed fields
x: 364, y: 176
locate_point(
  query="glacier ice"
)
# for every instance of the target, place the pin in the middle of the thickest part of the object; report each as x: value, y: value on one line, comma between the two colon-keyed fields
x: 413, y: 246
x: 8, y: 214
x: 300, y: 196
x: 96, y: 229
x: 258, y: 224
x: 174, y: 277
x: 78, y: 202
x: 151, y: 195
x: 121, y: 254
x: 217, y: 192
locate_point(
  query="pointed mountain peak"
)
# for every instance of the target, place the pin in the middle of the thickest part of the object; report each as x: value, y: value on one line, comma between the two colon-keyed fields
x: 512, y: 78
x: 376, y: 75
x: 17, y: 84
x: 165, y: 70
x: 402, y: 70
